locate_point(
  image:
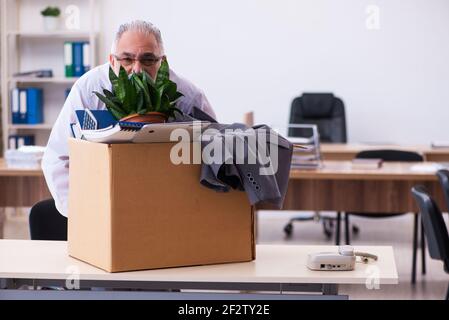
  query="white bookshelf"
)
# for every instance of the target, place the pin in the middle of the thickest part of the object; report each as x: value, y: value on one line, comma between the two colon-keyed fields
x: 26, y: 80
x: 25, y: 46
x: 54, y: 34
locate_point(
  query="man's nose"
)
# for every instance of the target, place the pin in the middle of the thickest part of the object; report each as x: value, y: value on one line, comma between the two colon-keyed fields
x: 137, y: 67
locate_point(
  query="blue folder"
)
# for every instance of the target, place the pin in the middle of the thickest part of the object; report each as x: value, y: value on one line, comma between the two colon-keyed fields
x: 34, y: 106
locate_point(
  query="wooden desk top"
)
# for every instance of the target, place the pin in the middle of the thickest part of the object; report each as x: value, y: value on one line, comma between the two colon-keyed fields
x: 26, y: 259
x: 6, y: 171
x: 342, y: 170
x: 351, y: 149
x: 330, y: 170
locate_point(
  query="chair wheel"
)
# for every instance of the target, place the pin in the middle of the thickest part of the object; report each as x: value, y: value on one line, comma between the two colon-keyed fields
x: 288, y: 229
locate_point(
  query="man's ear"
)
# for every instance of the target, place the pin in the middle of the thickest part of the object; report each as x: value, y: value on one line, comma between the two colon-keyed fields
x: 113, y: 63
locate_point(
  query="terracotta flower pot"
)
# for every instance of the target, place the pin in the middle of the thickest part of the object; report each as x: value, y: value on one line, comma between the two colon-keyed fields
x: 150, y: 117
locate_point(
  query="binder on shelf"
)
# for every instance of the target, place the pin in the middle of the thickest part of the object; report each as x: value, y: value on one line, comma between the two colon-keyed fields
x: 23, y: 104
x: 78, y: 68
x: 12, y: 142
x: 17, y: 141
x: 86, y: 57
x: 68, y: 59
x: 15, y: 106
x: 34, y: 106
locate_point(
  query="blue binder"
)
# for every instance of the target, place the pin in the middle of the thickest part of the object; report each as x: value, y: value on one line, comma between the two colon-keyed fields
x: 78, y: 67
x: 15, y: 141
x: 34, y: 106
x: 15, y: 106
x: 23, y: 105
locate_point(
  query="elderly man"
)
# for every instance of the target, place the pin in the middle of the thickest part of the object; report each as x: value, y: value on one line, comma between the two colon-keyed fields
x: 138, y: 46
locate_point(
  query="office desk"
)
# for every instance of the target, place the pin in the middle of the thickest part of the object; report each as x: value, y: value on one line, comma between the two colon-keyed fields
x: 278, y: 268
x: 21, y: 187
x: 347, y: 151
x: 338, y: 187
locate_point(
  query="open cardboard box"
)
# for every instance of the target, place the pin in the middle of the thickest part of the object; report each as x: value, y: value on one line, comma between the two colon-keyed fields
x: 131, y: 208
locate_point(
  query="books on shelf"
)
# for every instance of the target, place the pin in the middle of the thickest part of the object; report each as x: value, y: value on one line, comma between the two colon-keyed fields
x: 76, y: 58
x: 15, y: 141
x: 366, y: 163
x: 27, y: 106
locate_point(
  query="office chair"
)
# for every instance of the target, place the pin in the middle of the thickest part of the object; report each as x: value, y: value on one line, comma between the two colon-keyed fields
x: 46, y: 223
x: 443, y: 176
x: 321, y: 109
x: 391, y: 155
x: 434, y: 226
x: 327, y: 112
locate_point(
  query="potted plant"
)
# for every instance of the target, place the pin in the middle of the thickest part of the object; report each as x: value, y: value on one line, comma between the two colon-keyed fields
x: 139, y: 98
x: 51, y: 18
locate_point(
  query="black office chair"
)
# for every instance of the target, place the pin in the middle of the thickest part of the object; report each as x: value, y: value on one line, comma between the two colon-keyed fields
x: 327, y: 112
x: 391, y: 155
x: 443, y: 176
x: 46, y: 223
x: 434, y: 226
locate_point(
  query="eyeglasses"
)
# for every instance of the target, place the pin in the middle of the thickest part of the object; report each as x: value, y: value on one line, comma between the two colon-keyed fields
x: 146, y: 61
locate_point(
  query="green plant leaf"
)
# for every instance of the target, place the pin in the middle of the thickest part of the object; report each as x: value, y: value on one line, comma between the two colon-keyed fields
x: 140, y: 94
x: 147, y: 79
x: 165, y: 103
x: 170, y: 89
x: 146, y: 94
x: 141, y: 108
x: 155, y: 98
x: 130, y: 101
x: 116, y: 110
x: 163, y: 74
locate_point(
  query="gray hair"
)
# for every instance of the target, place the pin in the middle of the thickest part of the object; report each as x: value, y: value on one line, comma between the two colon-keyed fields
x: 147, y: 28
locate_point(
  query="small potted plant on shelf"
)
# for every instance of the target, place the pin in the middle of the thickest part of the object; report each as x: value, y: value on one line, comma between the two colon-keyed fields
x: 51, y: 18
x: 139, y: 98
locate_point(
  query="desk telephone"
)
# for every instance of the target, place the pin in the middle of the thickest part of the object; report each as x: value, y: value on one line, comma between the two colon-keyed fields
x: 343, y: 260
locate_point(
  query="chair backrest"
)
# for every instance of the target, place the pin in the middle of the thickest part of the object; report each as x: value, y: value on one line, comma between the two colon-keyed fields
x: 323, y: 109
x: 46, y: 223
x: 443, y: 176
x: 390, y: 155
x: 434, y: 225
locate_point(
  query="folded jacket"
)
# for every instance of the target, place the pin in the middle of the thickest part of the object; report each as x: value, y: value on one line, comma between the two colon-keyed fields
x: 262, y: 175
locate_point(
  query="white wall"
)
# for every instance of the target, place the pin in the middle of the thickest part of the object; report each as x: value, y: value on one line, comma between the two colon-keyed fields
x: 259, y: 54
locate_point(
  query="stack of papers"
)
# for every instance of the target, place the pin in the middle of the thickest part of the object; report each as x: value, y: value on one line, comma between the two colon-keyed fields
x: 366, y: 163
x: 25, y: 157
x: 305, y: 156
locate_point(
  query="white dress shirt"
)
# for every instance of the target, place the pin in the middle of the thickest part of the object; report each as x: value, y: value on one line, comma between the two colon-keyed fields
x: 55, y: 162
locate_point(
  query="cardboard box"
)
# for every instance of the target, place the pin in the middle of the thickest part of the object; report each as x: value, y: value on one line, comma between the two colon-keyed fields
x: 130, y: 208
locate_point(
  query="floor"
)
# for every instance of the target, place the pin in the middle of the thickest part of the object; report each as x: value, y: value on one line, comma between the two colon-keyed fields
x: 393, y: 231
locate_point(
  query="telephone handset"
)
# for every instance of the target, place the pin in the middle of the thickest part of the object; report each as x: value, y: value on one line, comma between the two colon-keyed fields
x: 343, y: 260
